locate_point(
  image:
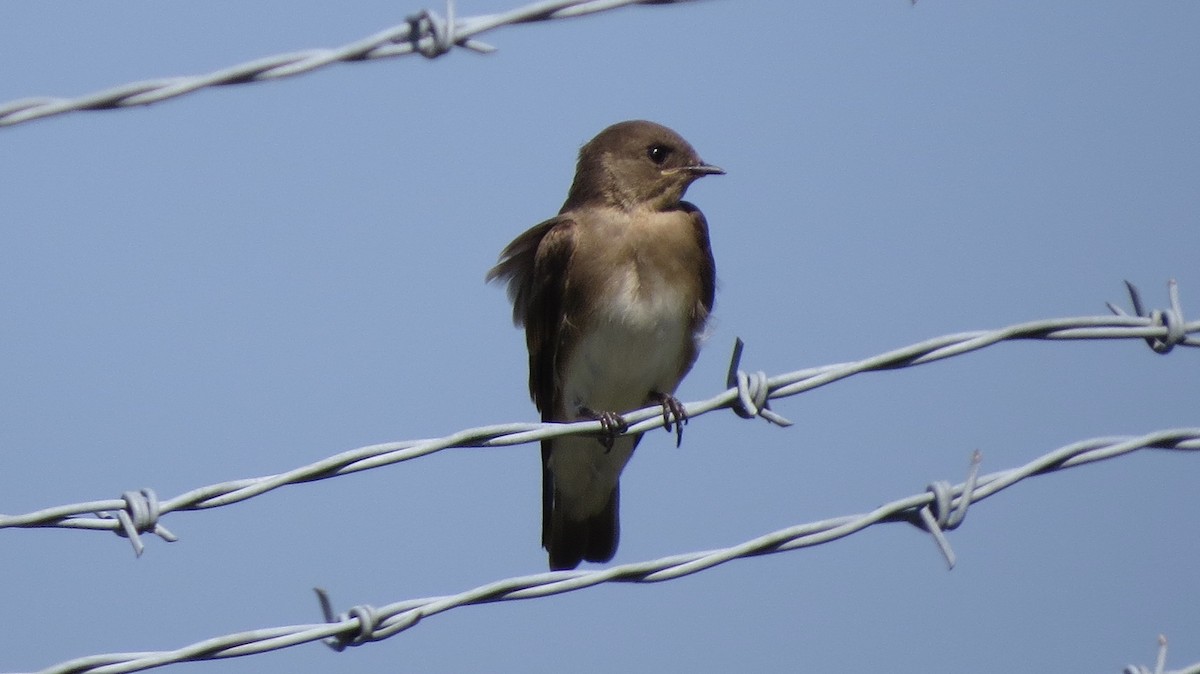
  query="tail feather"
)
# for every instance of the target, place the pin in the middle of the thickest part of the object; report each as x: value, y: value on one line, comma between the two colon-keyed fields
x: 568, y: 538
x: 593, y: 539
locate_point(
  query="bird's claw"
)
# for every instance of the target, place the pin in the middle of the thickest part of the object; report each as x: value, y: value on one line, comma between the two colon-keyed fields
x: 612, y: 423
x: 674, y: 414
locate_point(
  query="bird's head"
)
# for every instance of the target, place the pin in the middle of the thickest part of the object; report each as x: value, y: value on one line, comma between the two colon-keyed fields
x: 636, y: 164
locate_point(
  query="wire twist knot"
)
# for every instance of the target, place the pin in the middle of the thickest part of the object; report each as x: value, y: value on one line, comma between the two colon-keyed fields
x: 753, y: 390
x: 1171, y: 319
x: 366, y: 615
x: 941, y: 515
x: 430, y: 34
x: 139, y: 516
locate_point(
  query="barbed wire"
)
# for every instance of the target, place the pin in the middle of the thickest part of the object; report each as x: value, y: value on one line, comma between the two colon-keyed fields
x: 749, y: 395
x: 426, y: 33
x: 1160, y: 663
x: 940, y: 507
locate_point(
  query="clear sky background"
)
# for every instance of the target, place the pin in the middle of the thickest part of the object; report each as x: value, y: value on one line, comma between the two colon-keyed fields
x: 247, y: 279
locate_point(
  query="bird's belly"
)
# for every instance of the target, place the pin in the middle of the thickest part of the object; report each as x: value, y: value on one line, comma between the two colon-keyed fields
x: 635, y: 345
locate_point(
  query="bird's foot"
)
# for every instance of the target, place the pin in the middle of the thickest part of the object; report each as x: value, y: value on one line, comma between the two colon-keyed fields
x: 674, y: 414
x: 613, y: 424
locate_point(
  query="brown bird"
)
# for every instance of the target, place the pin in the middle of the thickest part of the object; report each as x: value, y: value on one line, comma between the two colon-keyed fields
x: 613, y: 294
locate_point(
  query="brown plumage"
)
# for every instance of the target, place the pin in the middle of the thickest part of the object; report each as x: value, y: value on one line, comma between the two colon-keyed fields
x: 613, y: 293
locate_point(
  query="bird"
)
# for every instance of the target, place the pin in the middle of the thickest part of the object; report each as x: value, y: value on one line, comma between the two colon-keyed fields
x: 614, y: 293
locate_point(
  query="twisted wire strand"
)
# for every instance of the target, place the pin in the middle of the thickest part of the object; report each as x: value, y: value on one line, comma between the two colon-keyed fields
x: 143, y: 510
x: 426, y: 33
x: 363, y: 624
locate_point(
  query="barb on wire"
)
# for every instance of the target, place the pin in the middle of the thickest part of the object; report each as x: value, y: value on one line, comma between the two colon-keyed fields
x: 1160, y: 663
x: 1171, y: 318
x: 739, y: 397
x: 943, y: 514
x: 140, y: 515
x: 425, y: 33
x: 752, y: 389
x: 362, y: 624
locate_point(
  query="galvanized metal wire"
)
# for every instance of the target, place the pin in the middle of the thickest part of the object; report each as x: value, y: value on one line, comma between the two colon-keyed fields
x: 749, y: 394
x: 426, y: 33
x: 939, y: 508
x: 1160, y: 663
x: 363, y: 624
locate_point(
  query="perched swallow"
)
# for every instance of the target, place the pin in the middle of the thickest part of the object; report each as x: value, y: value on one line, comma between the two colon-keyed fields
x: 613, y: 294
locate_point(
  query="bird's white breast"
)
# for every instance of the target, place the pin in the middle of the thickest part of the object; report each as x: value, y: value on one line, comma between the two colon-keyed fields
x: 634, y: 345
x: 635, y: 340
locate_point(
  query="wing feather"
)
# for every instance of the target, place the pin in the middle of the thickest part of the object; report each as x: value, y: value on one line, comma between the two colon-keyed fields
x: 534, y: 266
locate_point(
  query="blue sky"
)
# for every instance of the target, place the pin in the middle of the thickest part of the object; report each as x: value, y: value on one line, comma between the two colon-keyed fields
x: 248, y: 279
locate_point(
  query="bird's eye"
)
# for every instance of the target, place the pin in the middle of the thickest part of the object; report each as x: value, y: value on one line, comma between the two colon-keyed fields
x: 658, y: 153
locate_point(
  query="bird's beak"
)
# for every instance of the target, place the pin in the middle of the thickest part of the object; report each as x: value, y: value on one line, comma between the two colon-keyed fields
x: 705, y: 170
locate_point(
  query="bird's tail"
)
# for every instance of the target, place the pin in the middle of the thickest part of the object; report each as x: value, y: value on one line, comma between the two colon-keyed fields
x: 571, y: 541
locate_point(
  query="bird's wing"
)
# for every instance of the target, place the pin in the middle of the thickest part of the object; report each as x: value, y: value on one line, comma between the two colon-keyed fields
x: 534, y: 266
x: 708, y: 267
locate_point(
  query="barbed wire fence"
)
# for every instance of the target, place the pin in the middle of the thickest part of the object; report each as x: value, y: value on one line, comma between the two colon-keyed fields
x: 941, y: 507
x: 748, y: 395
x: 426, y: 33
